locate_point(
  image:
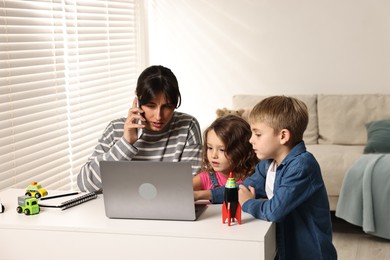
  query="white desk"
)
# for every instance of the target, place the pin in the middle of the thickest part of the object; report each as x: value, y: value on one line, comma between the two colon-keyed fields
x: 84, y: 232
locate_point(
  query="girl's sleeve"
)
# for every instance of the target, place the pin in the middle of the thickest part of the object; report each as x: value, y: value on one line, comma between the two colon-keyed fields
x: 204, y: 180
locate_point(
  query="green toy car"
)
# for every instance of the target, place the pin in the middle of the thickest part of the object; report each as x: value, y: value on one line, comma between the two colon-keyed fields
x: 35, y: 190
x: 28, y: 205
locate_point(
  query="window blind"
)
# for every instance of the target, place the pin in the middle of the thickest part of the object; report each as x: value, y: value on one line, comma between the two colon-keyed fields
x: 66, y: 69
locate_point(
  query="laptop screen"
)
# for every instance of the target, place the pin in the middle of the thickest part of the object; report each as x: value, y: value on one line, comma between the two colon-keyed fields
x: 148, y: 190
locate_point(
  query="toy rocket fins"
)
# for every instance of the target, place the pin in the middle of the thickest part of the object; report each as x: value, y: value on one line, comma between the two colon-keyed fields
x: 231, y: 208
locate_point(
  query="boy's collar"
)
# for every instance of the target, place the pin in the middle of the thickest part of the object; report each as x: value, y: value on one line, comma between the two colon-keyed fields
x: 296, y: 150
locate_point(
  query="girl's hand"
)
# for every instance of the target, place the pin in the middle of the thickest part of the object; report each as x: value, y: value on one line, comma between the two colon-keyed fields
x: 132, y: 123
x: 202, y: 195
x: 245, y: 194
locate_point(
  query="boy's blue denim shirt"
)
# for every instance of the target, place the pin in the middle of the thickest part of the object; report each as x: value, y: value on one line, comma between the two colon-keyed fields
x: 299, y: 207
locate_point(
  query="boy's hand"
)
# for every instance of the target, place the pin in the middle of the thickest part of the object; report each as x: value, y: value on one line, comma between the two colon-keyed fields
x: 245, y: 194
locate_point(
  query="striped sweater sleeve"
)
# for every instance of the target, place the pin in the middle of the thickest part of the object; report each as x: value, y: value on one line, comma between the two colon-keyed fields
x: 193, y: 147
x: 111, y: 147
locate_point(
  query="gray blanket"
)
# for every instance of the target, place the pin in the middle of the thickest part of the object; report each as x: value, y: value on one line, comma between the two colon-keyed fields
x: 365, y: 195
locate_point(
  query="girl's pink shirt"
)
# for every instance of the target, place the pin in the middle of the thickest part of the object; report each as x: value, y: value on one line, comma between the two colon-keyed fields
x: 206, y: 182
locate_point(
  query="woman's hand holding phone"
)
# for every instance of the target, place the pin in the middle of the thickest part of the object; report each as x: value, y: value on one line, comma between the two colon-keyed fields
x: 133, y: 123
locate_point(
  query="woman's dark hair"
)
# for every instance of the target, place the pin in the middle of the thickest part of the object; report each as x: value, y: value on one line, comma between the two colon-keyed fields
x: 155, y: 80
x: 235, y: 133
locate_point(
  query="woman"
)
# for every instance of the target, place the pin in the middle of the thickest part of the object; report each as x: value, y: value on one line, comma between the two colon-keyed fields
x: 152, y: 131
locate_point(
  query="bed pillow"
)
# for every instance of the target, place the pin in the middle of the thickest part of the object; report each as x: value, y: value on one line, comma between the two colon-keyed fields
x: 378, y: 137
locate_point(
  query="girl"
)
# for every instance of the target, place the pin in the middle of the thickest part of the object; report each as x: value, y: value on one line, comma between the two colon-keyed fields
x: 226, y: 149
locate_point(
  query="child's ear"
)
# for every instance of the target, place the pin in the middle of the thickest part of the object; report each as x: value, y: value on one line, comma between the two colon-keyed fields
x: 284, y: 136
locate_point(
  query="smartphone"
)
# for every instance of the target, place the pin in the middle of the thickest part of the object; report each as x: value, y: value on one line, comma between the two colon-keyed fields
x: 139, y: 130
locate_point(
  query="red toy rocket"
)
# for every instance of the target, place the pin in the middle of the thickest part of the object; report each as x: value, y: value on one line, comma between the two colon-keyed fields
x: 231, y: 208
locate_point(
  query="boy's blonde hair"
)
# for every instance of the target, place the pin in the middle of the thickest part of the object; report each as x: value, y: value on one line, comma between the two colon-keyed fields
x: 281, y: 112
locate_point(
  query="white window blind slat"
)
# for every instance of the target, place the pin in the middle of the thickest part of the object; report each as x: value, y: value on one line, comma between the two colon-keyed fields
x: 30, y: 167
x: 67, y: 67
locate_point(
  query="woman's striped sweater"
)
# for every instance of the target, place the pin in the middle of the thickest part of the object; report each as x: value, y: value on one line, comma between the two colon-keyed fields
x: 179, y: 141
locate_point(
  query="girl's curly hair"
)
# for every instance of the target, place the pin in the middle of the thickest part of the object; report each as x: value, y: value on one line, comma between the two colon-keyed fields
x: 235, y: 133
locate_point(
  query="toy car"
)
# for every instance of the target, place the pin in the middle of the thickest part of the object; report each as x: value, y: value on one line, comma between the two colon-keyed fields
x: 28, y: 205
x: 35, y: 190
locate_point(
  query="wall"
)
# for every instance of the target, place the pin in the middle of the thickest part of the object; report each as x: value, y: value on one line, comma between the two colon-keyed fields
x: 219, y: 48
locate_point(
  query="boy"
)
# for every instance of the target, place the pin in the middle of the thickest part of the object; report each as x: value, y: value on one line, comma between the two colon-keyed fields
x: 287, y: 186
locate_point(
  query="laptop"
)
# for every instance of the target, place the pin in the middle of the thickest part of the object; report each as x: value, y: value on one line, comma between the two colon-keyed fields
x: 149, y: 190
